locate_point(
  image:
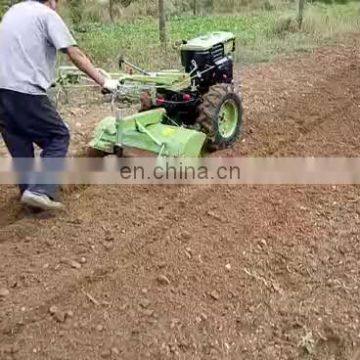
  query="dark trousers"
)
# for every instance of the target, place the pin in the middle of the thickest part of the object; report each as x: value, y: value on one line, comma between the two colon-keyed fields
x: 26, y: 120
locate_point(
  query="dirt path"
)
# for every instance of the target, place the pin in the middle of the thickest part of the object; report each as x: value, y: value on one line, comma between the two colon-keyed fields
x: 215, y: 272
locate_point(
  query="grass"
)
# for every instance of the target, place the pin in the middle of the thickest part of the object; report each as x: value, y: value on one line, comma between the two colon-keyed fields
x: 328, y: 21
x: 258, y: 37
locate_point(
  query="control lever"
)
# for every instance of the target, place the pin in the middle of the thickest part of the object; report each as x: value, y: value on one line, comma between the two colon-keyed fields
x: 195, y: 67
x: 137, y: 68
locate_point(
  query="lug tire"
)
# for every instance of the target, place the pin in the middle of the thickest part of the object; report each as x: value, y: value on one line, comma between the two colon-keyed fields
x: 208, y: 116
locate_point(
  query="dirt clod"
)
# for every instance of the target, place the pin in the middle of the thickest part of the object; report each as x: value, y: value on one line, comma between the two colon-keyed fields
x: 60, y: 316
x: 108, y: 245
x: 144, y: 303
x: 53, y: 309
x: 215, y: 295
x: 148, y: 312
x: 72, y: 263
x: 163, y: 280
x: 4, y: 292
x: 214, y: 215
x: 186, y: 235
x: 57, y: 314
x: 115, y: 351
x: 106, y: 354
x: 11, y: 349
x: 99, y: 328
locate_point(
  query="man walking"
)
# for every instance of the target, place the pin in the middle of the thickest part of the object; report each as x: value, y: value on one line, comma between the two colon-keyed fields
x: 31, y: 33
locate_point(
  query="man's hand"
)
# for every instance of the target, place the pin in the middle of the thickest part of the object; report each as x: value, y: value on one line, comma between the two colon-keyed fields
x: 110, y: 85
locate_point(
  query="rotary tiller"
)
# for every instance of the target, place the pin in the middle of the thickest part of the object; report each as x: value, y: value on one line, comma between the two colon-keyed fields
x: 182, y: 112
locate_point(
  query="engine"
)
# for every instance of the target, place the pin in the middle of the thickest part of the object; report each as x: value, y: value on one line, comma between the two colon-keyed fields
x: 209, y: 58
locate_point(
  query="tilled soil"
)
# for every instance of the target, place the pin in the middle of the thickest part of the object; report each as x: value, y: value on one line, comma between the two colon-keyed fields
x: 210, y: 272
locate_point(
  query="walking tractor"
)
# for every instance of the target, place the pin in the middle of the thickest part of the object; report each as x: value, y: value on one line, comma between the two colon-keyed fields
x: 183, y: 113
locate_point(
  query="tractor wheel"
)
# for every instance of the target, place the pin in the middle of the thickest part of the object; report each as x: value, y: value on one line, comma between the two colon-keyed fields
x: 220, y: 116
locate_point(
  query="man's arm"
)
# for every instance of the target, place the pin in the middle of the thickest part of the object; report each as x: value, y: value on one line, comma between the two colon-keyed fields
x: 83, y: 63
x: 59, y: 35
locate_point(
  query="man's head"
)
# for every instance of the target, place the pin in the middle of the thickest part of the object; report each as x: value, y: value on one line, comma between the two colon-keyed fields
x: 51, y: 3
